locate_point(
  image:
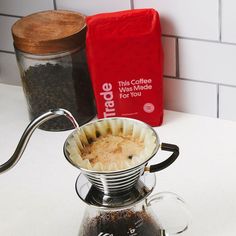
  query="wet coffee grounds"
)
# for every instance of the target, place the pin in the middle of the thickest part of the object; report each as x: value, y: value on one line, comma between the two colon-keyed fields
x: 49, y: 86
x: 121, y: 223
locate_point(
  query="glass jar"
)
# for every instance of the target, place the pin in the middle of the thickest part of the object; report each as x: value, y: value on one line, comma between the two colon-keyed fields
x: 50, y: 51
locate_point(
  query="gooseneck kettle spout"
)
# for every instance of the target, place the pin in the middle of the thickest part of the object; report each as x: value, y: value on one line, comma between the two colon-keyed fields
x: 29, y: 131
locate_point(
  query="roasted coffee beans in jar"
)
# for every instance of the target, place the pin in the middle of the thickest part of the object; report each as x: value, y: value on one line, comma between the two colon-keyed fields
x: 50, y: 51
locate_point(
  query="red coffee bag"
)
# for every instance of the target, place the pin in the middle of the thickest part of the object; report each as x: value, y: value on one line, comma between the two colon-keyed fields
x: 125, y: 60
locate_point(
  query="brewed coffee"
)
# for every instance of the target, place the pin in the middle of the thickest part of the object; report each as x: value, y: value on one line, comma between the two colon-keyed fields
x: 121, y: 223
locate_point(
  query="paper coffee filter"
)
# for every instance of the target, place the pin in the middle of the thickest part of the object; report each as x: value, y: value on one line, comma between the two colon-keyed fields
x: 127, y: 127
x: 117, y: 127
x: 76, y: 139
x: 102, y: 128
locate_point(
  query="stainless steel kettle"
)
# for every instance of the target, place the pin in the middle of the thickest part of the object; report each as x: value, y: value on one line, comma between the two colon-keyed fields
x: 29, y: 131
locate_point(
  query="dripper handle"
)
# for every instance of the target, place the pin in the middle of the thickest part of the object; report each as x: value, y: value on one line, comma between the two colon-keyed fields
x: 29, y: 131
x: 170, y: 211
x: 160, y: 166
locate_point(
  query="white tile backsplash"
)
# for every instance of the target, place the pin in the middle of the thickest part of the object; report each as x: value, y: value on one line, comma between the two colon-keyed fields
x: 191, y: 97
x: 227, y: 99
x: 24, y: 7
x: 186, y: 18
x: 9, y: 73
x: 228, y: 21
x: 5, y: 32
x: 199, y: 43
x: 169, y: 48
x: 207, y: 61
x: 90, y: 7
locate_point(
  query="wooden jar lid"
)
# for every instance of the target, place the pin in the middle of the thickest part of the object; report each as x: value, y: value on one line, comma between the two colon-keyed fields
x: 49, y: 32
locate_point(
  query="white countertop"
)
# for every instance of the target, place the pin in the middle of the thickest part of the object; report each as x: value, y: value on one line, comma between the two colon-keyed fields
x: 38, y: 198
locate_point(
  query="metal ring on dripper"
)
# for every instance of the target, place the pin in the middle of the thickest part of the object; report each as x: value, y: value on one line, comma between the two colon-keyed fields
x: 93, y: 197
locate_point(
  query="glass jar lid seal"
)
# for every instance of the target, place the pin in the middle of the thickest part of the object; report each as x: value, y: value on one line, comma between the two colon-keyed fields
x: 50, y: 31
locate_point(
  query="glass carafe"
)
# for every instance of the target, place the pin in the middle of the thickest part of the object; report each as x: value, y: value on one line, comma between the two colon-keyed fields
x: 133, y: 213
x: 161, y: 214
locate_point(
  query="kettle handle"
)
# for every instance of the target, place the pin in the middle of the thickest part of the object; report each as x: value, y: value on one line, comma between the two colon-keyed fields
x: 29, y: 131
x: 171, y: 212
x: 160, y: 166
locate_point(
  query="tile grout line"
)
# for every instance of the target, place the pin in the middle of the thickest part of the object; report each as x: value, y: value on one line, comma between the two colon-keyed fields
x: 220, y: 19
x: 192, y: 38
x: 131, y: 4
x: 5, y: 51
x: 169, y: 36
x: 54, y: 4
x: 8, y: 15
x: 169, y: 76
x: 177, y: 58
x: 200, y: 81
x: 198, y: 39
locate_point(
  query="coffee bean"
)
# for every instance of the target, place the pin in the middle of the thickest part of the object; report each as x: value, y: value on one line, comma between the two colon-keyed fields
x: 49, y: 86
x: 98, y: 134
